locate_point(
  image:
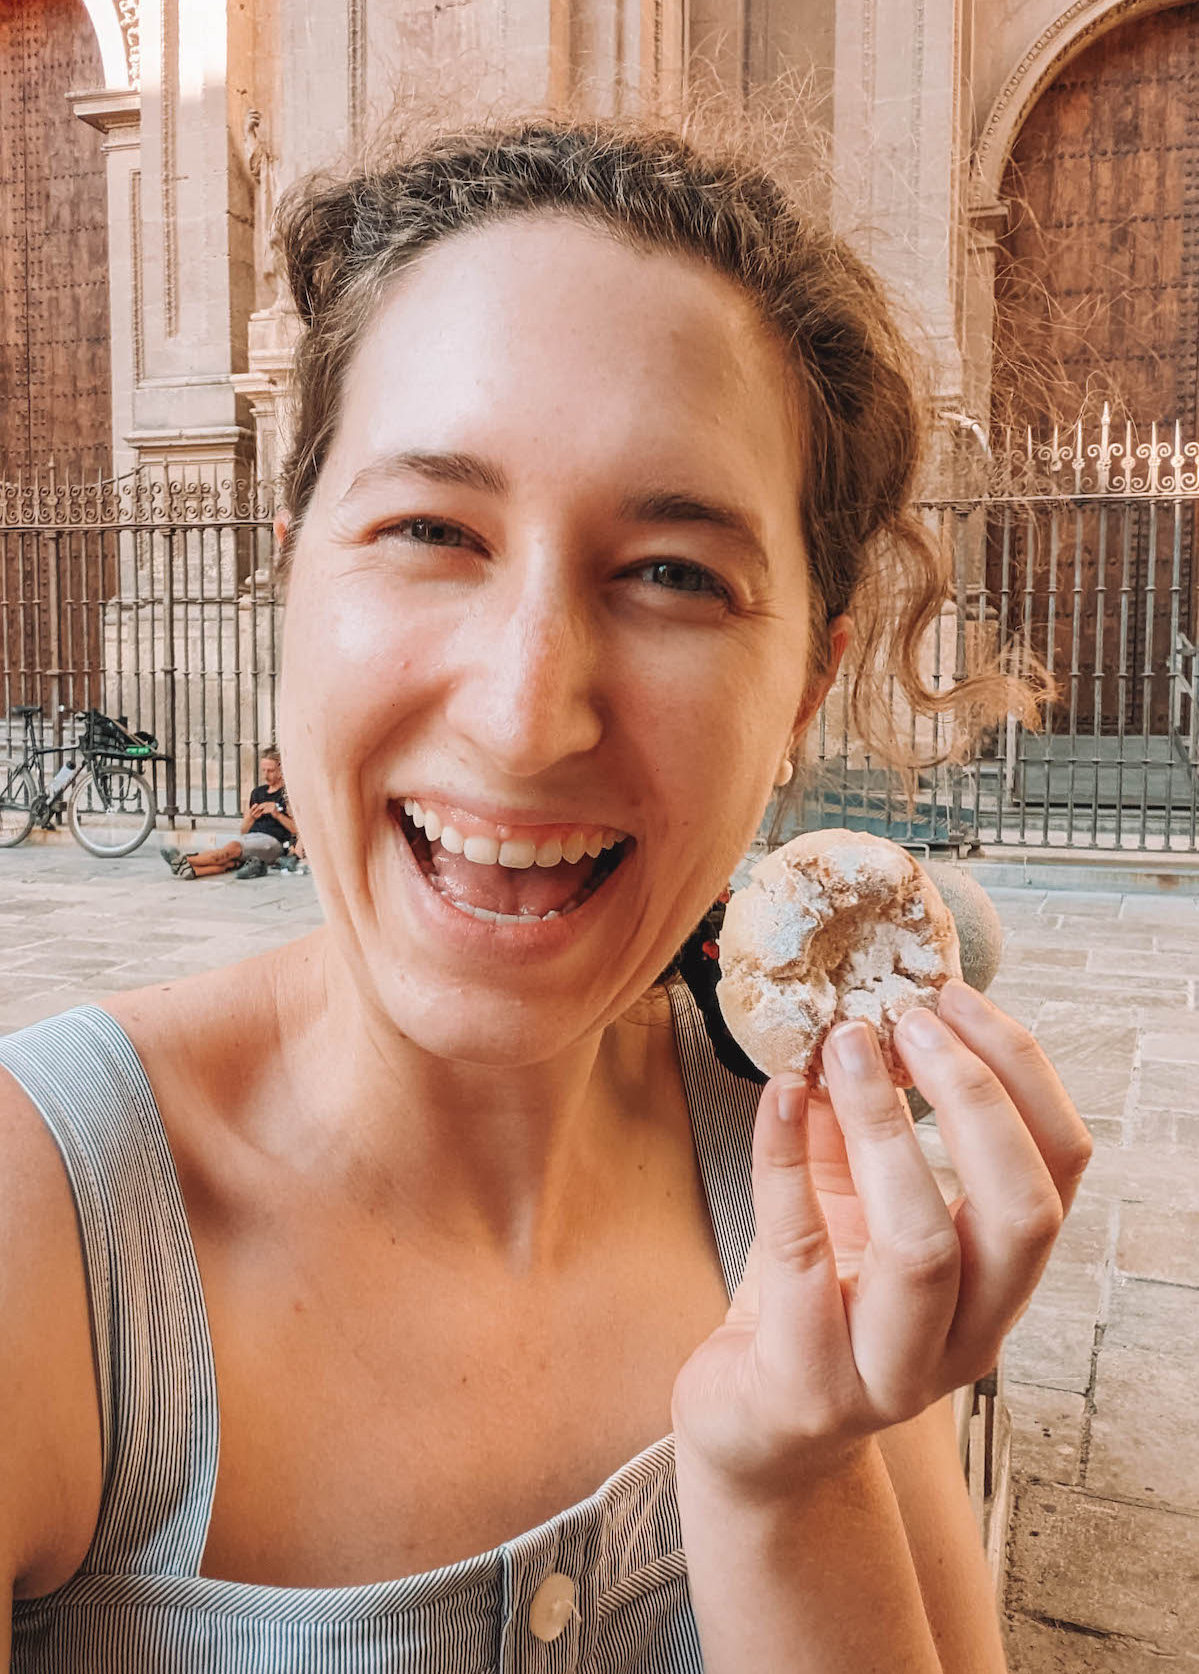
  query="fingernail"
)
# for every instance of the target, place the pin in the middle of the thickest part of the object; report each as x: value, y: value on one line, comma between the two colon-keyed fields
x: 855, y: 1048
x: 923, y: 1027
x: 792, y: 1099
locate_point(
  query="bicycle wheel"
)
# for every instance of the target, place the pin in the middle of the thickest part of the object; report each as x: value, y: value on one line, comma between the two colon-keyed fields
x: 17, y: 794
x: 111, y: 810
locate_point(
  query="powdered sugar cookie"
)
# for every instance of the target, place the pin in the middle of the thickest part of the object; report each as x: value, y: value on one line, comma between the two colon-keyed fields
x: 834, y: 925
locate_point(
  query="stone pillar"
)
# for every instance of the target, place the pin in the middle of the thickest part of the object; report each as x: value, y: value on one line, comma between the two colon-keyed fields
x: 899, y: 154
x: 116, y: 112
x: 988, y: 218
x: 197, y: 243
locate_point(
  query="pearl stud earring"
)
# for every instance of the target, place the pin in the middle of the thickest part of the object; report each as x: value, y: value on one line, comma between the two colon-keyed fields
x: 783, y: 776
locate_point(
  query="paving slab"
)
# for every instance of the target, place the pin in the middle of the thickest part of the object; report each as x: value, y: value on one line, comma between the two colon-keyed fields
x: 1173, y: 1046
x: 1052, y: 1346
x: 1144, y: 1171
x: 1169, y: 1086
x: 1101, y: 1565
x: 1165, y: 1128
x: 1035, y: 1647
x: 1158, y: 1241
x: 1144, y: 1414
x: 1095, y: 1065
x: 1122, y: 961
x: 1049, y: 1423
x: 1079, y: 903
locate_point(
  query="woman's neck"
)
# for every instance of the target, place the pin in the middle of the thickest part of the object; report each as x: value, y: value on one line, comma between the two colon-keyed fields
x: 518, y: 1161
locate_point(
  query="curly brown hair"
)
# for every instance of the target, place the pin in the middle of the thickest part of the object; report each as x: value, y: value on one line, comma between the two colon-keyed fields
x: 344, y: 238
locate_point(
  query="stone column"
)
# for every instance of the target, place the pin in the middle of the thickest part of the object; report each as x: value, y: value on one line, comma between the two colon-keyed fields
x: 899, y: 154
x: 116, y: 112
x: 197, y: 243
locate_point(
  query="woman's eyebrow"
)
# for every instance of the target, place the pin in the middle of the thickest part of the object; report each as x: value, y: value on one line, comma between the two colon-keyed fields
x: 668, y: 506
x: 464, y: 470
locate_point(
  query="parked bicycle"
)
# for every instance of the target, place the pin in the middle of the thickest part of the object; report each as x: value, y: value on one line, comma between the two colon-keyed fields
x: 108, y: 801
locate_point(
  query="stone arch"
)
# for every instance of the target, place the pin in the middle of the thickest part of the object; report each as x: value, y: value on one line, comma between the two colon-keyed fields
x: 114, y: 24
x: 1074, y: 29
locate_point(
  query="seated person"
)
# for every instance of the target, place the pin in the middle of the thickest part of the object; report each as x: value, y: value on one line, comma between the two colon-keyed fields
x: 267, y: 831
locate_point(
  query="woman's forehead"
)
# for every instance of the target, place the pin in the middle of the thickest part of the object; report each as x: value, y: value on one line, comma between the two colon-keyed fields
x: 557, y: 338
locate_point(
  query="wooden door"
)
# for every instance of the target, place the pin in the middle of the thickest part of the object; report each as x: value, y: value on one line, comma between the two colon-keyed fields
x: 55, y: 401
x: 1097, y: 300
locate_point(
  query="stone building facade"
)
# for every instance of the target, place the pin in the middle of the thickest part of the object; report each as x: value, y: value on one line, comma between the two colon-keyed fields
x: 207, y: 109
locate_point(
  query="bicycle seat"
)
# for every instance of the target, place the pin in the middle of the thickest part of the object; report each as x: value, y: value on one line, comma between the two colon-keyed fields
x: 26, y: 709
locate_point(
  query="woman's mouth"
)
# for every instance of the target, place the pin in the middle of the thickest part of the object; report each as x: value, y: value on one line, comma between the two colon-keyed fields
x: 509, y: 874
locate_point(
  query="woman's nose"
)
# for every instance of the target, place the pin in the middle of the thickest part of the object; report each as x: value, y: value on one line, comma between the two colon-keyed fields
x: 527, y: 691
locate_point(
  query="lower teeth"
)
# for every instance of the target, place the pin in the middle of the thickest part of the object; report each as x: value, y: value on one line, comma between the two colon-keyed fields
x: 507, y: 918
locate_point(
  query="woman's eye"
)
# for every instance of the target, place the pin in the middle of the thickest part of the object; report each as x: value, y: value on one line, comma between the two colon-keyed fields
x: 429, y: 531
x: 679, y: 577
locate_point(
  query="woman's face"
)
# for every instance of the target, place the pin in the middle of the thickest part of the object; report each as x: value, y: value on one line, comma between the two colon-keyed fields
x: 550, y: 594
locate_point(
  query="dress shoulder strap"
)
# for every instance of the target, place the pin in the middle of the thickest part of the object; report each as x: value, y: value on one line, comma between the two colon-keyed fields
x: 723, y: 1107
x: 157, y: 1383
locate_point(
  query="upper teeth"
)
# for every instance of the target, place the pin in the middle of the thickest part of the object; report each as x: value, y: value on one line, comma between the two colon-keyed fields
x: 516, y: 852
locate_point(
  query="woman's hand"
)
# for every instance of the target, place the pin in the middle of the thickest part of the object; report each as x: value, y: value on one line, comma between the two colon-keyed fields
x: 866, y: 1297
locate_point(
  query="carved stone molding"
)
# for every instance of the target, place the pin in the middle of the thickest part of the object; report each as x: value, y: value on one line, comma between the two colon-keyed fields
x: 1075, y: 28
x: 129, y: 19
x: 356, y: 68
x: 169, y: 82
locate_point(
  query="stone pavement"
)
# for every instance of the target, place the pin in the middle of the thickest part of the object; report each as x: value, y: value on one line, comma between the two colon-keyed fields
x: 1101, y: 1372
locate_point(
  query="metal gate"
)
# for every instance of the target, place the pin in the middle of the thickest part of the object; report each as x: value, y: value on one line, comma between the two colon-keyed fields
x: 1088, y: 564
x: 154, y: 600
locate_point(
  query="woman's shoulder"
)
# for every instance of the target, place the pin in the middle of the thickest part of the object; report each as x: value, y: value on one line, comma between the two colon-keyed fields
x: 213, y: 1048
x: 209, y: 1030
x: 49, y: 1413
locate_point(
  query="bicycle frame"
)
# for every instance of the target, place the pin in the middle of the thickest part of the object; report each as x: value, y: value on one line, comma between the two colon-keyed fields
x: 32, y: 761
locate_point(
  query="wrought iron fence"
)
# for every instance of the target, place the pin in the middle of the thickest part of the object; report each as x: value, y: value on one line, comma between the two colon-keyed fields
x: 1086, y: 558
x: 153, y: 599
x: 157, y: 600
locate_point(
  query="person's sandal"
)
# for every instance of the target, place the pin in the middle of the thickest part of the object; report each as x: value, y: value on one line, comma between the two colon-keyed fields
x: 180, y: 865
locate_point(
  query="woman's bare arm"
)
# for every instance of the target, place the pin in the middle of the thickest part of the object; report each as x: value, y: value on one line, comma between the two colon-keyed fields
x: 50, y: 1469
x: 925, y: 1467
x: 821, y: 1582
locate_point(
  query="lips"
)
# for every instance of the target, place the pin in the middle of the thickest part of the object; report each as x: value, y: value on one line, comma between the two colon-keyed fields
x: 500, y: 874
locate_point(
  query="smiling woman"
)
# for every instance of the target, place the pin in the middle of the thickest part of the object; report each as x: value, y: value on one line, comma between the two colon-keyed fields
x: 426, y: 1294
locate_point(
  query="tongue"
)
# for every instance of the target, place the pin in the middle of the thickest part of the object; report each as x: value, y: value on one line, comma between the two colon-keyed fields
x: 499, y: 889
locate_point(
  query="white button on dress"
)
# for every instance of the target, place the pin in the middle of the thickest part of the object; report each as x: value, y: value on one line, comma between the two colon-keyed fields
x: 550, y: 1607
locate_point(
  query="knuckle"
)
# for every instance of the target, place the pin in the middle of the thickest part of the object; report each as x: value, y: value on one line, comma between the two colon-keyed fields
x: 1035, y: 1225
x: 975, y: 1081
x: 930, y: 1258
x: 800, y: 1245
x: 1078, y: 1154
x: 1025, y: 1051
x: 888, y: 1119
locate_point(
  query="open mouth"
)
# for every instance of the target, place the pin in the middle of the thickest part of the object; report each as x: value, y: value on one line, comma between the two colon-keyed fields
x: 506, y: 878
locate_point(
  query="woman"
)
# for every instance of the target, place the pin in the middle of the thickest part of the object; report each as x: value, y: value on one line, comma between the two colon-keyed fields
x: 598, y: 446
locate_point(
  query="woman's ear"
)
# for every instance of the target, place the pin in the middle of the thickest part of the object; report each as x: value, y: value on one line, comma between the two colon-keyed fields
x: 282, y: 525
x: 838, y: 635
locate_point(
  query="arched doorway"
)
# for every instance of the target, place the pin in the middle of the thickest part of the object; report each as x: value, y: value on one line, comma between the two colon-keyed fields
x: 1097, y: 281
x: 1097, y: 303
x: 55, y: 397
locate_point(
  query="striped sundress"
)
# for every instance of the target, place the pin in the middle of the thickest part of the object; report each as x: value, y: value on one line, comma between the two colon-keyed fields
x: 601, y: 1587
